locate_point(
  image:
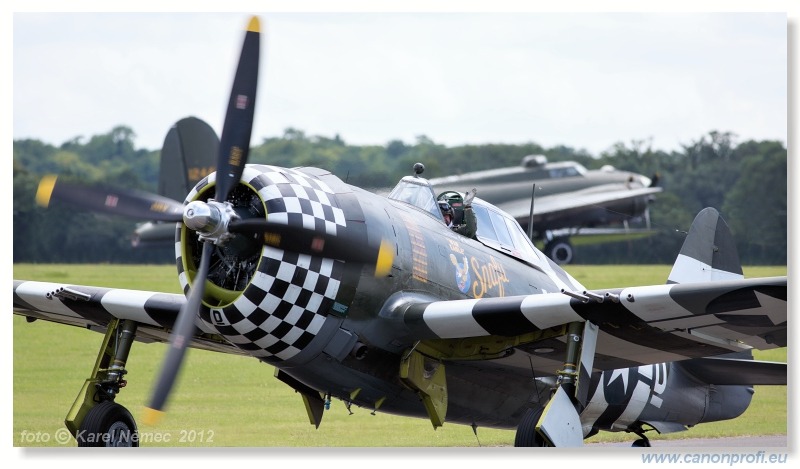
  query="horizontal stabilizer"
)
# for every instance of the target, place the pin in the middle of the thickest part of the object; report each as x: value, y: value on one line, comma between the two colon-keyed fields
x: 730, y: 371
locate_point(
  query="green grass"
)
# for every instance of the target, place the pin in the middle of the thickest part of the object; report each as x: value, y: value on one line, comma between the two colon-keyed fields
x: 224, y: 400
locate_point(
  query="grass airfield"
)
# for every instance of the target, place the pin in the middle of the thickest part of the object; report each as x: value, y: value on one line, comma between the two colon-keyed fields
x: 233, y: 401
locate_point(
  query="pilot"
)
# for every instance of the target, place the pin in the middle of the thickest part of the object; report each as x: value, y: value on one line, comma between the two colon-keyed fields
x: 470, y: 225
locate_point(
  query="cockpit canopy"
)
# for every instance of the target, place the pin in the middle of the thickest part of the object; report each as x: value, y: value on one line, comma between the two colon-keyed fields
x: 496, y: 229
x: 500, y: 231
x: 418, y: 192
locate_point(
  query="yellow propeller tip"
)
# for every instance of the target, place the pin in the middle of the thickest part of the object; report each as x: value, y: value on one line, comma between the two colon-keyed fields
x: 152, y: 416
x: 254, y: 25
x: 45, y: 190
x: 385, y: 258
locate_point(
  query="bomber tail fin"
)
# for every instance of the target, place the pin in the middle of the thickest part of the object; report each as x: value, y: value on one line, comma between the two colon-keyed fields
x: 188, y: 155
x: 709, y: 252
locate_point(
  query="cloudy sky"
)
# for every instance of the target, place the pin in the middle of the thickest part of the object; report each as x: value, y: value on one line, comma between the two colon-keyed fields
x: 585, y: 80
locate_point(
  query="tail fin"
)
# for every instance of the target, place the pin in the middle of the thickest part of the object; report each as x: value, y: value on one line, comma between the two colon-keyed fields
x: 188, y: 155
x: 709, y: 252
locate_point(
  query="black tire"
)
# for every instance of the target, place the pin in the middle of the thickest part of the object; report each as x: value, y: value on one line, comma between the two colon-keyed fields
x: 560, y: 250
x: 641, y: 443
x: 108, y: 424
x: 527, y: 437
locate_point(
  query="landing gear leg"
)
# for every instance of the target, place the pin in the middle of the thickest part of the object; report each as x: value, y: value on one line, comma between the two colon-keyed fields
x: 94, y: 418
x: 559, y: 423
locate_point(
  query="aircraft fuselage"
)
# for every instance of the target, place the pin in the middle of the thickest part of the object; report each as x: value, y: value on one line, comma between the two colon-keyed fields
x: 339, y: 330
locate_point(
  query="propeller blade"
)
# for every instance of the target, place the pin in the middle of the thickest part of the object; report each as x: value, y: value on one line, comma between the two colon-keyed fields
x: 233, y: 149
x: 235, y: 140
x: 179, y: 339
x: 116, y: 201
x: 306, y: 241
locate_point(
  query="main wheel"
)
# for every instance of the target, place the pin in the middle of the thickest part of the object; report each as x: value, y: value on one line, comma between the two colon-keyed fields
x: 527, y: 436
x: 108, y: 424
x: 560, y: 250
x: 641, y: 443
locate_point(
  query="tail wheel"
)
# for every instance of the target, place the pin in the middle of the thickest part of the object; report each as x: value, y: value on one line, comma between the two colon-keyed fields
x: 527, y: 436
x: 560, y: 250
x: 108, y: 424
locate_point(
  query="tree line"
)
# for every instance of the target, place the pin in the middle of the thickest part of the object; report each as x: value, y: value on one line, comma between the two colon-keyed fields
x: 745, y: 181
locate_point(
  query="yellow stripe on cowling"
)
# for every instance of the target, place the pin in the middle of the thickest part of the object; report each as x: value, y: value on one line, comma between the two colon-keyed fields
x: 255, y: 25
x: 152, y: 416
x: 45, y: 190
x: 385, y: 258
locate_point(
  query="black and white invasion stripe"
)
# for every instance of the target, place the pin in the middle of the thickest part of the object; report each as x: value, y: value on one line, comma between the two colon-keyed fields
x: 650, y: 324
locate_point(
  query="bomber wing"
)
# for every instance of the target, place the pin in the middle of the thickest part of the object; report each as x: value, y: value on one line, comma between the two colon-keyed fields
x: 573, y: 202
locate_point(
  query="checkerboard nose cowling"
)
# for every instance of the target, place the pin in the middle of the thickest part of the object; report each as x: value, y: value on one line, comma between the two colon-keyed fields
x: 287, y: 301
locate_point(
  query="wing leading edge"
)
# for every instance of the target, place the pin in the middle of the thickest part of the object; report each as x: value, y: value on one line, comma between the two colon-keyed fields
x: 95, y: 307
x: 638, y: 325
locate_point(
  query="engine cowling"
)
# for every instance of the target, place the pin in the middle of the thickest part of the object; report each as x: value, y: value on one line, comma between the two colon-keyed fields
x: 273, y: 304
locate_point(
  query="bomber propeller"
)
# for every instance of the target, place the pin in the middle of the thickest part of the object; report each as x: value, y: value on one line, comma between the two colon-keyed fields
x: 116, y: 201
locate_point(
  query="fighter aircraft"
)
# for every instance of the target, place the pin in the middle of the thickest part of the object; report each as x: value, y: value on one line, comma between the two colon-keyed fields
x: 374, y: 301
x: 564, y: 200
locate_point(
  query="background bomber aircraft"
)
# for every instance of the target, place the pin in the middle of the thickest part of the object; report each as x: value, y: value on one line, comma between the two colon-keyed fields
x: 568, y: 201
x: 374, y: 301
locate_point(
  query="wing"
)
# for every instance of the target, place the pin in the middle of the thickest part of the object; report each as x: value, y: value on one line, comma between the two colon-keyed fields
x: 638, y: 325
x: 94, y: 308
x: 574, y: 202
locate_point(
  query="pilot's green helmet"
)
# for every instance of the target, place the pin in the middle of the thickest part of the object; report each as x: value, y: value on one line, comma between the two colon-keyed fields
x: 453, y: 198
